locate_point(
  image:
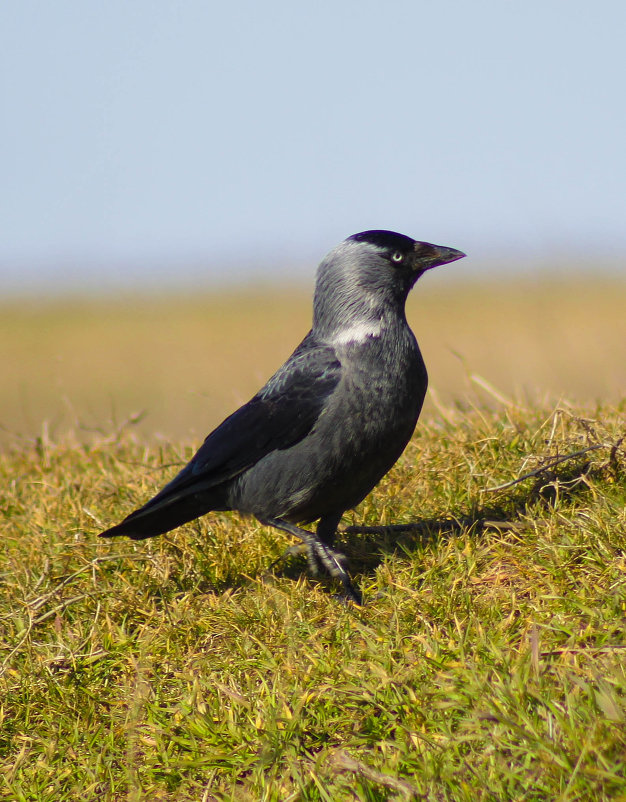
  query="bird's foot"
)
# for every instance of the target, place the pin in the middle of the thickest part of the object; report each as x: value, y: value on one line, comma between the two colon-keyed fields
x: 322, y: 556
x: 294, y: 551
x: 319, y: 555
x: 315, y: 563
x: 299, y: 550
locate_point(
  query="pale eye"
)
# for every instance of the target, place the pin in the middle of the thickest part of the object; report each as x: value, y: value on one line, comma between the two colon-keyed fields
x: 397, y: 256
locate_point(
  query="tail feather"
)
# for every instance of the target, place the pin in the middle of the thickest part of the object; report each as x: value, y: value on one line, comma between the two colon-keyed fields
x: 150, y: 521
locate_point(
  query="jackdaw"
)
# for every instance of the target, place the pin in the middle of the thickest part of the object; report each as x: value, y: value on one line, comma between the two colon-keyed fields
x: 330, y: 422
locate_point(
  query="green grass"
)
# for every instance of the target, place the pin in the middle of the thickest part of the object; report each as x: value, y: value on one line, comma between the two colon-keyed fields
x: 487, y: 664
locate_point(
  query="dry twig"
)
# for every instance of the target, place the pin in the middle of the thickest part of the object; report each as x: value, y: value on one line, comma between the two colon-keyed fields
x: 341, y: 763
x: 546, y: 467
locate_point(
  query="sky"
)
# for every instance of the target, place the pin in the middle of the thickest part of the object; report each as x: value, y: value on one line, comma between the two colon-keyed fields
x: 153, y: 142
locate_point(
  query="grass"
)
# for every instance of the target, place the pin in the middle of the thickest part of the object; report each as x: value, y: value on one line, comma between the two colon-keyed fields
x: 488, y: 664
x: 489, y: 661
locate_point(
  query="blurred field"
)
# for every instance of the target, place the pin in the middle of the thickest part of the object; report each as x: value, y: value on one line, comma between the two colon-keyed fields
x: 187, y: 361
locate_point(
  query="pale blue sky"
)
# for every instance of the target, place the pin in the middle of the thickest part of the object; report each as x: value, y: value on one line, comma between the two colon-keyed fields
x: 148, y: 139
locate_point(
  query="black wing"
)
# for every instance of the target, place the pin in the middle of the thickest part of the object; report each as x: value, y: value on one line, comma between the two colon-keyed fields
x: 281, y: 414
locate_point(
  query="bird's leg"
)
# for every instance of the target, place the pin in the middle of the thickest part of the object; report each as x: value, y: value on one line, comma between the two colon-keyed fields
x: 327, y: 529
x: 320, y: 553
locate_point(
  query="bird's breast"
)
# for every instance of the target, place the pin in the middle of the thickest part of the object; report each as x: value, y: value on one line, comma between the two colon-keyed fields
x: 381, y: 392
x: 390, y: 363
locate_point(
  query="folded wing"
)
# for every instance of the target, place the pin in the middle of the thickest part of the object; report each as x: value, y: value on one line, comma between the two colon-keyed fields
x: 281, y: 414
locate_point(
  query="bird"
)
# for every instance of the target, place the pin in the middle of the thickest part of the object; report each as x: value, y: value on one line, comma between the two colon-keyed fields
x: 330, y: 423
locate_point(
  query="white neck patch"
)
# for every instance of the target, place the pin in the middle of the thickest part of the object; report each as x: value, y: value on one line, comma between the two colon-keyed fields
x: 358, y: 333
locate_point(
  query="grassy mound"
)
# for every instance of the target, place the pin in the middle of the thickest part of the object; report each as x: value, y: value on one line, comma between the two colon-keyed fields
x: 488, y: 663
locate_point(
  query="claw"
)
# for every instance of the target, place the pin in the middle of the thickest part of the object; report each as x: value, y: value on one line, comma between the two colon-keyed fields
x: 319, y: 555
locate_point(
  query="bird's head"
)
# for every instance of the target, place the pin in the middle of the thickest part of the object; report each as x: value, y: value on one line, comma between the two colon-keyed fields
x: 369, y: 275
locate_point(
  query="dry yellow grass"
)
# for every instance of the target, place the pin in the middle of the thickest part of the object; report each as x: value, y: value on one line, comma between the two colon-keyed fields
x: 189, y: 361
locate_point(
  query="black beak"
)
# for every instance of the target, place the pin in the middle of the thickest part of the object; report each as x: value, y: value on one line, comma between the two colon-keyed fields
x: 446, y: 255
x: 428, y: 256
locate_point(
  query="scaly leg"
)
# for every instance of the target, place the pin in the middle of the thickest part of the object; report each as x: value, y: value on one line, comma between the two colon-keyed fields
x: 320, y: 551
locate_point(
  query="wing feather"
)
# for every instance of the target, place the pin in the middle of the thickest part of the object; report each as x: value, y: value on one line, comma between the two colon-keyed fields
x: 281, y: 414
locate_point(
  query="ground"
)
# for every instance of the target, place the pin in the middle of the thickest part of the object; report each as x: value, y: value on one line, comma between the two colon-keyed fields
x: 488, y: 662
